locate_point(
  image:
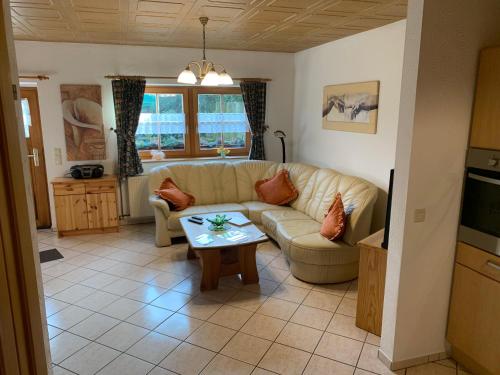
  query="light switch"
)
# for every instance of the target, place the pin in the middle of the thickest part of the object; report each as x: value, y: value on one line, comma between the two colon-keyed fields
x: 57, y: 156
x: 419, y: 215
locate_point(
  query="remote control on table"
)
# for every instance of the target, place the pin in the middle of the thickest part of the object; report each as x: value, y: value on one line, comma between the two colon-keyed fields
x: 195, y: 221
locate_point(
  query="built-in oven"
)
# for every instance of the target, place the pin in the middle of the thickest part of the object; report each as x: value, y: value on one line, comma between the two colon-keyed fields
x: 480, y: 218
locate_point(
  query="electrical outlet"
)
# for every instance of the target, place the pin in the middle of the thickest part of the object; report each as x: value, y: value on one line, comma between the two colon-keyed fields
x: 57, y: 156
x: 419, y: 215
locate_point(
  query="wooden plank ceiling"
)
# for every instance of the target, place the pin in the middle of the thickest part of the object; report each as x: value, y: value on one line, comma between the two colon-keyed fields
x: 257, y: 25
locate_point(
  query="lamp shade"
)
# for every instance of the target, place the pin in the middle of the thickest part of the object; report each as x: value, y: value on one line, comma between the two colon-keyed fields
x: 225, y: 79
x: 187, y: 77
x: 211, y: 79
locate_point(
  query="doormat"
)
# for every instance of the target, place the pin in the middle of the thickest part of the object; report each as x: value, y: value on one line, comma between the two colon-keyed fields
x: 50, y: 255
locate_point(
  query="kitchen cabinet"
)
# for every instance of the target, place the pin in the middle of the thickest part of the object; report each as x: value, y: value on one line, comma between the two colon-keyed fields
x: 86, y: 206
x: 485, y: 131
x: 473, y: 323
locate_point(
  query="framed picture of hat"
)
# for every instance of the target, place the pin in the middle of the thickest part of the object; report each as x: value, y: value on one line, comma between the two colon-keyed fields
x: 83, y: 122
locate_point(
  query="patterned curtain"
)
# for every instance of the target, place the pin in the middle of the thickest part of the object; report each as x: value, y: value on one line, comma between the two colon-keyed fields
x: 127, y: 96
x: 254, y: 97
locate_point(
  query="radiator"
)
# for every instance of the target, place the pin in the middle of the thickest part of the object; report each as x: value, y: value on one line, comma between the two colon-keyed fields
x: 138, y: 194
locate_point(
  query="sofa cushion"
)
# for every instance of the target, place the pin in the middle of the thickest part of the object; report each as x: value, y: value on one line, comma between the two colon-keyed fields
x: 209, y: 183
x: 172, y: 194
x: 247, y: 173
x: 277, y: 190
x: 357, y: 194
x: 288, y: 230
x: 283, y: 215
x: 313, y: 248
x: 177, y: 199
x: 173, y: 219
x: 299, y: 174
x: 271, y: 219
x: 256, y: 208
x: 333, y: 226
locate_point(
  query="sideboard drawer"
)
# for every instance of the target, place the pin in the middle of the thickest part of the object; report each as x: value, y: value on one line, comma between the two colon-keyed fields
x: 69, y: 189
x: 478, y: 260
x: 101, y: 187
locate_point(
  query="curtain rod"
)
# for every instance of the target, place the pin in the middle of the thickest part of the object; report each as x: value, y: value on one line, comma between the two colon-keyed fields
x: 117, y: 76
x: 38, y: 77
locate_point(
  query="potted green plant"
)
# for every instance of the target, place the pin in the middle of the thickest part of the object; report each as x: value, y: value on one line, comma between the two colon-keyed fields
x: 218, y: 223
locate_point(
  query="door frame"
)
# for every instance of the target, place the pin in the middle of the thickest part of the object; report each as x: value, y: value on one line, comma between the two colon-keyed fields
x: 23, y: 333
x: 40, y: 188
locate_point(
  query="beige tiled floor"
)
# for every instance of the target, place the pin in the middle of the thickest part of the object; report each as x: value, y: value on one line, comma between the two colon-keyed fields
x: 118, y: 305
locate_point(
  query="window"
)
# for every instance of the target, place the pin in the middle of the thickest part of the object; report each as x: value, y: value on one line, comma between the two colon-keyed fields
x: 191, y: 122
x: 25, y: 106
x: 162, y: 123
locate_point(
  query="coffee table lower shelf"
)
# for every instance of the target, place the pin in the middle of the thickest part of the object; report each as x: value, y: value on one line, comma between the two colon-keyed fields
x: 226, y: 261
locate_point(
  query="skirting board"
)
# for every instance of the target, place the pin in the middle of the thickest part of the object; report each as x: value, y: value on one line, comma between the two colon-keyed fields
x: 137, y: 220
x: 398, y: 365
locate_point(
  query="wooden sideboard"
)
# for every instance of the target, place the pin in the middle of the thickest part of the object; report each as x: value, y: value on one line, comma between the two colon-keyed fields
x: 474, y: 317
x: 85, y: 206
x: 371, y: 283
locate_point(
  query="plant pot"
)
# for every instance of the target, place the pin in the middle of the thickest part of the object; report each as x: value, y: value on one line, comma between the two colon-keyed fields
x: 218, y: 228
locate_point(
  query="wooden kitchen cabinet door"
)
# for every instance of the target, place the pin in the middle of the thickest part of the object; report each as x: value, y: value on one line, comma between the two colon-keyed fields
x: 102, y: 210
x: 485, y: 132
x: 473, y: 325
x: 71, y: 211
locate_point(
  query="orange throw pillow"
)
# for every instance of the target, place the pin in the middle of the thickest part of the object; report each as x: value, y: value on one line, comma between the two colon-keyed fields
x: 172, y: 194
x: 334, y: 224
x: 277, y: 190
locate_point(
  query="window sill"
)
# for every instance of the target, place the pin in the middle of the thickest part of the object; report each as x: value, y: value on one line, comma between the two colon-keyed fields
x: 207, y: 158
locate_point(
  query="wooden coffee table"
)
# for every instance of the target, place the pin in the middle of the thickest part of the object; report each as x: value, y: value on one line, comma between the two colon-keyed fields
x: 223, y: 256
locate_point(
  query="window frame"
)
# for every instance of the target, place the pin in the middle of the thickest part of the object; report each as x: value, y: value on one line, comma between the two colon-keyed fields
x: 196, y: 138
x: 192, y: 139
x: 146, y: 154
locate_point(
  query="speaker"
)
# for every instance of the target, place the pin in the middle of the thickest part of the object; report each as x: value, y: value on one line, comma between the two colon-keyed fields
x: 86, y: 171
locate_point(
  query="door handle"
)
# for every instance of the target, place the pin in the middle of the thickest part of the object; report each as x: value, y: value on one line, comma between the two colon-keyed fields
x: 493, y: 265
x: 488, y: 180
x: 36, y: 157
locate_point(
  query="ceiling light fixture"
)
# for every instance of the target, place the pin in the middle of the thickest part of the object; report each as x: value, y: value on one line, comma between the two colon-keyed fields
x: 206, y: 69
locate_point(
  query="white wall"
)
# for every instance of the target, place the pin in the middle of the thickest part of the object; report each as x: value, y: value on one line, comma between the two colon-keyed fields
x: 373, y: 55
x: 443, y: 42
x: 89, y: 63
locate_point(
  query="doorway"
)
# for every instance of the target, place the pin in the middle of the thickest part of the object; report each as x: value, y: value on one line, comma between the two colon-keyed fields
x: 36, y: 155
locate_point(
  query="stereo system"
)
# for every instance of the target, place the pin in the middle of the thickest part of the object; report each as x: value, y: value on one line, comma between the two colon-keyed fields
x: 86, y: 171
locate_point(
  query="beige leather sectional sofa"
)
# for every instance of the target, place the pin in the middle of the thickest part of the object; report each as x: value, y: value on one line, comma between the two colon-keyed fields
x: 229, y: 186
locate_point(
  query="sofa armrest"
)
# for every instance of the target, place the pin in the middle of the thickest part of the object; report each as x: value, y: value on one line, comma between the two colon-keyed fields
x: 159, y: 204
x: 162, y: 212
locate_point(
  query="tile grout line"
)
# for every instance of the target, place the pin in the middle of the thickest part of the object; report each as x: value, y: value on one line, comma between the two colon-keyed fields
x: 274, y: 341
x: 323, y: 334
x: 225, y: 302
x: 177, y: 311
